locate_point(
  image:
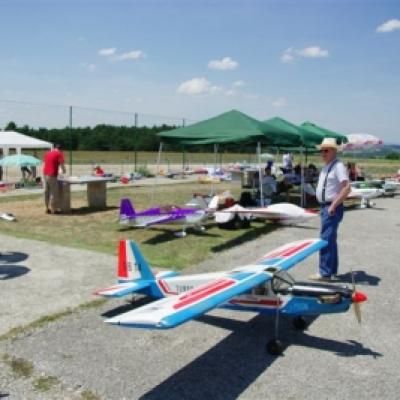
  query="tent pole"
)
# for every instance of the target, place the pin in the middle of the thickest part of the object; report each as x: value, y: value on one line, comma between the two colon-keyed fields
x: 302, y: 178
x: 70, y: 140
x: 157, y: 172
x: 260, y: 174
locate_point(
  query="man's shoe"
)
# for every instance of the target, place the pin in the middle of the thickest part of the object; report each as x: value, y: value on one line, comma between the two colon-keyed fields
x: 318, y: 277
x: 48, y: 211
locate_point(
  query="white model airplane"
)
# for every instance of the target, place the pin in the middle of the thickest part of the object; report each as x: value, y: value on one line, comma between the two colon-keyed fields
x: 365, y: 194
x: 8, y: 217
x: 283, y: 213
x: 263, y: 287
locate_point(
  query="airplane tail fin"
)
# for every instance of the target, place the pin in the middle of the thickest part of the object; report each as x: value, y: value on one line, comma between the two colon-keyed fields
x: 134, y: 274
x: 131, y: 263
x: 126, y: 210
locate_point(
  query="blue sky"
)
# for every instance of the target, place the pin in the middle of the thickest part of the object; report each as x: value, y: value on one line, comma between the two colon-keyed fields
x: 336, y: 63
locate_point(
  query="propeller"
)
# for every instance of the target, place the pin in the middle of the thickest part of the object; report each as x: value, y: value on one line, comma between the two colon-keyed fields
x: 357, y: 298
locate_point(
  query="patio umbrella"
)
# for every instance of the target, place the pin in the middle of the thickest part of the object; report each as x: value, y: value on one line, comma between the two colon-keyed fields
x: 324, y: 132
x: 20, y: 160
x: 361, y: 141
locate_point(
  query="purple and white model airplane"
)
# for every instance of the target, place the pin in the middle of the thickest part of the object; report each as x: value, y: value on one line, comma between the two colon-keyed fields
x: 186, y: 217
x: 263, y: 287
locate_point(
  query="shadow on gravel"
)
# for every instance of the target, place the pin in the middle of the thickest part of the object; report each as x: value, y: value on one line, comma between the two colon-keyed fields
x: 248, y: 235
x: 12, y: 257
x: 232, y: 365
x: 12, y: 271
x: 168, y: 235
x: 360, y: 278
x: 130, y: 305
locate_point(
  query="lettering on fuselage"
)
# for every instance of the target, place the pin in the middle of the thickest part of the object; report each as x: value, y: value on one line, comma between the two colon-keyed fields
x: 183, y: 288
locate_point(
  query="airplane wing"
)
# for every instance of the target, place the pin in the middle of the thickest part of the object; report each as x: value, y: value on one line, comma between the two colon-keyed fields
x: 175, y: 310
x: 290, y: 254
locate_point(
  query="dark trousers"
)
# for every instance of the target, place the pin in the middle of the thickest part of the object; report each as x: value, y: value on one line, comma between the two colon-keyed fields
x: 328, y: 256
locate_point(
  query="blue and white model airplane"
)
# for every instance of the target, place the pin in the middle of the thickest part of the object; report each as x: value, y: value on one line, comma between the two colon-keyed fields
x: 262, y: 287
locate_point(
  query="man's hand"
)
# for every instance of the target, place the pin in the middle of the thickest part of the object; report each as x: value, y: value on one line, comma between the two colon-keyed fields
x: 331, y: 209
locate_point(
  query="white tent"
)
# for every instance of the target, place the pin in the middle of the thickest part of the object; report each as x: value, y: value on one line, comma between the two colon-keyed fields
x: 18, y: 141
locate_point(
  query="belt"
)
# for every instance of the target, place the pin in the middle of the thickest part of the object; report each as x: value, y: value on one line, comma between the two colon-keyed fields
x: 327, y: 203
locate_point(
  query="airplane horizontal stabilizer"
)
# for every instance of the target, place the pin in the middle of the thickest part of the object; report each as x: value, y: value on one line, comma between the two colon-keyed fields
x: 123, y: 289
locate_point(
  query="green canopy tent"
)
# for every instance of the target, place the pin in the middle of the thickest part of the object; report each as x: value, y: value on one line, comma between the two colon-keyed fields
x: 309, y: 137
x: 232, y: 127
x: 340, y: 138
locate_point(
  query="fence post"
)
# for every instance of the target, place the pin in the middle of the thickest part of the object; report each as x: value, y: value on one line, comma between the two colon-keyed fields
x: 70, y: 140
x: 136, y: 139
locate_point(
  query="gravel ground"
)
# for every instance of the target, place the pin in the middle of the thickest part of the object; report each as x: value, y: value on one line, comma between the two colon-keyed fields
x: 221, y: 355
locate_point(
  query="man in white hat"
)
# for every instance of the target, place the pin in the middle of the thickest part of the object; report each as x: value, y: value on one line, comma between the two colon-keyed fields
x: 333, y: 187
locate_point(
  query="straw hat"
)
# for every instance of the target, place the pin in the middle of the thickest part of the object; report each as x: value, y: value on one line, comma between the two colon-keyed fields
x: 329, y: 143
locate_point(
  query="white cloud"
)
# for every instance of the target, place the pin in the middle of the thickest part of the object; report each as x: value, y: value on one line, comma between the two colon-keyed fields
x: 291, y: 54
x: 287, y: 56
x: 88, y: 67
x: 224, y: 64
x: 107, y: 52
x: 280, y: 102
x: 389, y: 26
x: 313, y: 52
x: 230, y: 92
x: 131, y: 55
x: 197, y: 86
x: 237, y: 84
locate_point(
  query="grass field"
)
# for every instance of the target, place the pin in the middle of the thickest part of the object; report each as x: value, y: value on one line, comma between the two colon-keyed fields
x: 100, y: 230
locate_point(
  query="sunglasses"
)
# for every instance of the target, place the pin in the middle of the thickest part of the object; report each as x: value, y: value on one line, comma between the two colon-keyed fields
x: 324, y: 151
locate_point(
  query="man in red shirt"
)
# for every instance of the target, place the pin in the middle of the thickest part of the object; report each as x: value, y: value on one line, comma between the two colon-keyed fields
x: 53, y: 161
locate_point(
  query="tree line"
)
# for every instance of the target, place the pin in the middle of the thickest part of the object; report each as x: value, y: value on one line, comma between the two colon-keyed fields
x: 100, y: 137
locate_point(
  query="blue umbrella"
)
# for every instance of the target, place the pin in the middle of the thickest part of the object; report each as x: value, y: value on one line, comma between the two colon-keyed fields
x: 20, y: 160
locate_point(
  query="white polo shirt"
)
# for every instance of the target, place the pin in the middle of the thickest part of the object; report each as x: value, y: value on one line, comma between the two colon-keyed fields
x: 337, y: 175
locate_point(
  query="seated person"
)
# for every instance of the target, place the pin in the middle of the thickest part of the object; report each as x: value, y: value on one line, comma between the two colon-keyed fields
x: 98, y: 171
x: 269, y: 182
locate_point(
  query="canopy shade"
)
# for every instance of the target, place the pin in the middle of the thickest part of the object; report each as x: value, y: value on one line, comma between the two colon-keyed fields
x: 309, y: 138
x: 20, y: 160
x: 230, y: 127
x: 18, y: 141
x: 325, y: 132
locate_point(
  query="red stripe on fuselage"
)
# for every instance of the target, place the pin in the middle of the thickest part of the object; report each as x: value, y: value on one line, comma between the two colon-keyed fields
x: 164, y: 287
x: 257, y: 302
x: 122, y: 264
x: 200, y: 293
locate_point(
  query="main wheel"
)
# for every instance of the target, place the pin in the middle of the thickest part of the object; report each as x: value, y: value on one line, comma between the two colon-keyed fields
x: 275, y: 347
x: 299, y: 323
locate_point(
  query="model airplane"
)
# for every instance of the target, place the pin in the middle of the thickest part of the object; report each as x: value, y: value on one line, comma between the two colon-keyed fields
x: 262, y: 287
x: 8, y: 217
x: 283, y: 213
x: 365, y: 194
x: 186, y: 217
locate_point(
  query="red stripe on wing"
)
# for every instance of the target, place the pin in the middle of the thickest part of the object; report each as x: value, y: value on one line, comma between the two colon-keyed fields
x: 287, y: 251
x: 202, y: 292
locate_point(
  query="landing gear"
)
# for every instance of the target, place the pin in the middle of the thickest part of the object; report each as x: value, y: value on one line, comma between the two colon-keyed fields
x: 199, y: 228
x: 181, y: 234
x: 299, y: 323
x: 274, y: 347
